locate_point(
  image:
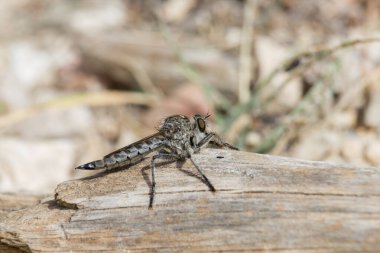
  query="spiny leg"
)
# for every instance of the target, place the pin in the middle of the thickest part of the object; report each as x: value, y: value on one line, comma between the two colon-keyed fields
x: 212, y: 188
x: 227, y: 145
x: 215, y: 139
x: 169, y: 157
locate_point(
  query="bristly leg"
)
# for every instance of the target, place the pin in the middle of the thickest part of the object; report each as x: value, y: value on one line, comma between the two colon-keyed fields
x: 172, y: 157
x: 212, y: 188
x: 168, y: 157
x: 214, y: 139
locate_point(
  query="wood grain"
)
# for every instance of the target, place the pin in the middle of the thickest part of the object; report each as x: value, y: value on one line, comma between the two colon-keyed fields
x: 263, y: 203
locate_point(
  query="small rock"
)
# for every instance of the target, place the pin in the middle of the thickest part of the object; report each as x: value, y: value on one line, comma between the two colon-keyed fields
x: 270, y: 56
x: 343, y: 119
x: 35, y: 166
x: 56, y: 123
x: 372, y: 153
x: 108, y: 16
x: 31, y: 69
x: 253, y: 139
x: 176, y: 11
x: 352, y: 149
x: 372, y: 113
x: 317, y: 145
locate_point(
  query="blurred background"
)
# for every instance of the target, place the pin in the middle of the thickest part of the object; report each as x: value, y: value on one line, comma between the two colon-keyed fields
x: 81, y: 78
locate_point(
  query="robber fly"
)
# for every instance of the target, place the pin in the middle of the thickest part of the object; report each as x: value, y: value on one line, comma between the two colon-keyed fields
x: 177, y: 138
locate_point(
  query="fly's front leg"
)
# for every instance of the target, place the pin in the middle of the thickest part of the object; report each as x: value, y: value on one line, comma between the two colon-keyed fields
x: 224, y: 144
x: 168, y: 157
x: 209, y: 184
x: 215, y: 139
x: 210, y: 137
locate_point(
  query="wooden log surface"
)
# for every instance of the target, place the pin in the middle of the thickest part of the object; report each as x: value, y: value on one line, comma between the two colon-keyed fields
x: 262, y: 204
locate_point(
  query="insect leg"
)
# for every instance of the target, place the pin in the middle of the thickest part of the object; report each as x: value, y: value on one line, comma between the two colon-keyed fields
x: 169, y: 157
x: 212, y: 188
x: 215, y: 139
x: 225, y: 144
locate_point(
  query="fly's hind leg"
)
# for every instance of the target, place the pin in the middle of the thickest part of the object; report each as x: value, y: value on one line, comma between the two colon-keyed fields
x: 167, y: 157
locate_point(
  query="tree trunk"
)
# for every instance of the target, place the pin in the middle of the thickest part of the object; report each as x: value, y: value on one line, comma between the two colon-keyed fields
x: 261, y: 203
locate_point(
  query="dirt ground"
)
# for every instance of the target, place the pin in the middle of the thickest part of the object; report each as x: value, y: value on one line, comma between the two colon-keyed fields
x: 79, y: 79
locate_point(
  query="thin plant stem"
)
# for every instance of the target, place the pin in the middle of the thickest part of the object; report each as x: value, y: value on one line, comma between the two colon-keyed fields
x: 311, y: 55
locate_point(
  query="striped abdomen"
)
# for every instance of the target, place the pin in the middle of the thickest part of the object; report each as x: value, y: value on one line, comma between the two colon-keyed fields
x: 132, y: 153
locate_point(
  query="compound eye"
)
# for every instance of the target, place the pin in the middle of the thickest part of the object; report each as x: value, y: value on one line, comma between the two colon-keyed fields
x: 201, y: 124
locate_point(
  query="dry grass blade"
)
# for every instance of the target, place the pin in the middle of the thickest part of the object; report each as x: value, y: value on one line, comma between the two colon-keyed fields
x: 105, y: 98
x: 311, y: 57
x: 245, y: 73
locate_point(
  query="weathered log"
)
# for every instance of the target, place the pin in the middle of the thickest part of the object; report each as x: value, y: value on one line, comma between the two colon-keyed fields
x: 262, y: 203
